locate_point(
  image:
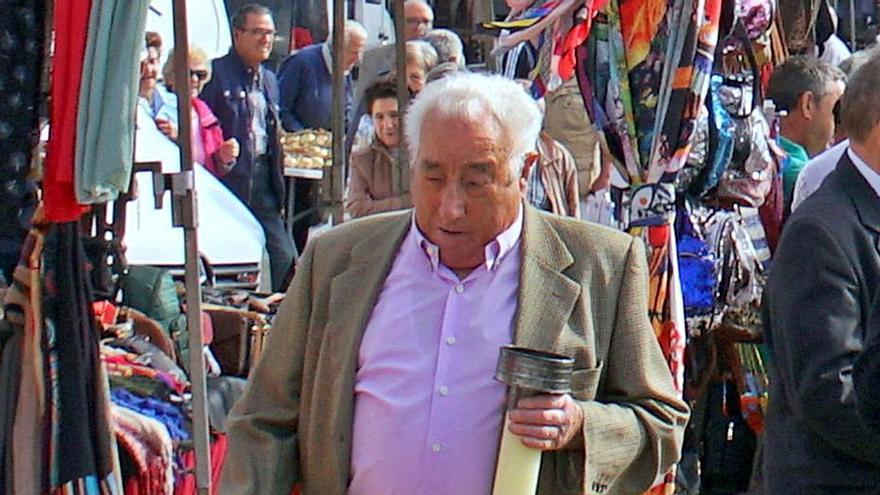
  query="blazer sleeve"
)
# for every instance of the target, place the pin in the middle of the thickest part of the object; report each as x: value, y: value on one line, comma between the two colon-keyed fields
x: 866, y: 373
x: 815, y: 334
x: 263, y: 453
x: 570, y: 183
x: 634, y: 429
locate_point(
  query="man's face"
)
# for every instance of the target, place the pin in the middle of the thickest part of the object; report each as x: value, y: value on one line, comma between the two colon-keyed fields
x: 415, y: 78
x: 462, y: 190
x: 822, y: 128
x: 149, y: 72
x: 354, y: 50
x: 419, y: 20
x: 254, y: 41
x: 384, y: 115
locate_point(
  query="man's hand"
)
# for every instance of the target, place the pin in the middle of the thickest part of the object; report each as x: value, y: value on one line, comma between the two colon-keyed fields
x: 228, y: 151
x: 547, y: 422
x: 168, y: 128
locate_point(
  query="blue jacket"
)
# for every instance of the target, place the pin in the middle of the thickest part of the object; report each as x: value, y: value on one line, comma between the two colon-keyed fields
x: 226, y: 94
x: 307, y: 91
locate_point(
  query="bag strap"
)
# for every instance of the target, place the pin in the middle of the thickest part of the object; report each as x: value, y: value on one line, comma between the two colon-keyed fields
x: 741, y: 35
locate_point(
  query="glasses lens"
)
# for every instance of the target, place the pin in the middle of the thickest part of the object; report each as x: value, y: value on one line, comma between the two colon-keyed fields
x: 201, y: 75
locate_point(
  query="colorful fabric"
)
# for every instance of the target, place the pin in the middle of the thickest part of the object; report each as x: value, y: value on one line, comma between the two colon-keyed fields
x: 71, y: 20
x: 82, y: 449
x: 169, y: 415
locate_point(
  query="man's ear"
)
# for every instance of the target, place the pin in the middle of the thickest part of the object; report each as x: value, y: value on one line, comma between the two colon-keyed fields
x: 807, y: 104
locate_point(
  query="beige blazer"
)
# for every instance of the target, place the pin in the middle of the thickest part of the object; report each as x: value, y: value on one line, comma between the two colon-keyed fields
x: 583, y: 293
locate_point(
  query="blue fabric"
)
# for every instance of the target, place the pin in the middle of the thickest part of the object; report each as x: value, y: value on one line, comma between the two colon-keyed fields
x: 721, y: 134
x: 307, y: 91
x: 696, y: 268
x: 226, y: 94
x: 165, y: 413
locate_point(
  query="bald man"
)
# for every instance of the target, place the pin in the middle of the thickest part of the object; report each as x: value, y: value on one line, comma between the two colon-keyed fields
x: 419, y: 20
x: 307, y: 103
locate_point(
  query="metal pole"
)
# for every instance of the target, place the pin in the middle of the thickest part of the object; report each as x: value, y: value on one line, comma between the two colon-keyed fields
x: 852, y: 25
x: 186, y: 216
x: 337, y: 180
x: 402, y: 88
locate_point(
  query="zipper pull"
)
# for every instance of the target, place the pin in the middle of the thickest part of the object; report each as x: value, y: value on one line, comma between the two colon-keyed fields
x: 730, y: 431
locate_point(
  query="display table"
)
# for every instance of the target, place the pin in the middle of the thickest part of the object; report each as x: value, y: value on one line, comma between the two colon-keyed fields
x: 291, y: 174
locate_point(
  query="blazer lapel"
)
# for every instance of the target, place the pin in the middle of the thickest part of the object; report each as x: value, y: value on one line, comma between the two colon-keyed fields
x: 353, y: 294
x: 861, y: 193
x: 546, y: 295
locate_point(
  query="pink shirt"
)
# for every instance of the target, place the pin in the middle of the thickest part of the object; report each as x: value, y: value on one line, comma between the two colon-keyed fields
x: 428, y: 412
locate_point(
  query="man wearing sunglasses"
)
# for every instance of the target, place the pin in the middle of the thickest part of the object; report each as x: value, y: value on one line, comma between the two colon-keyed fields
x: 244, y: 96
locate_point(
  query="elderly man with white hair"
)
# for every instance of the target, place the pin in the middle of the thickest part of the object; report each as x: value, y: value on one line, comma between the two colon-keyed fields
x: 378, y: 374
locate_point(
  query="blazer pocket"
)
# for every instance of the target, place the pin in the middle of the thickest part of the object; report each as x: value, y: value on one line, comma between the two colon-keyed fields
x: 585, y: 382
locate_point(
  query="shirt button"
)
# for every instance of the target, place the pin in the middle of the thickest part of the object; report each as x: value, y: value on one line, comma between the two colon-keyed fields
x: 444, y: 391
x: 459, y: 288
x: 436, y: 447
x: 450, y: 340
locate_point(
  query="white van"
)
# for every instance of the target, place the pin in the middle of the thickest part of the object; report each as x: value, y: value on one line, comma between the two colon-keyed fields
x: 231, y: 241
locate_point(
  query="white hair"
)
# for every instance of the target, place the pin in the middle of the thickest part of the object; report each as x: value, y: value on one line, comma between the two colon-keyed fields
x: 473, y: 97
x: 354, y: 28
x: 448, y: 45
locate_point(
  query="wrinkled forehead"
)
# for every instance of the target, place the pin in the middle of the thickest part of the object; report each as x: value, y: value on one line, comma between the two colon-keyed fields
x: 461, y: 139
x: 254, y: 20
x: 418, y: 10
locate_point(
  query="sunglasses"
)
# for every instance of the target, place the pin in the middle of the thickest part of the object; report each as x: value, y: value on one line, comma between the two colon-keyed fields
x: 201, y: 75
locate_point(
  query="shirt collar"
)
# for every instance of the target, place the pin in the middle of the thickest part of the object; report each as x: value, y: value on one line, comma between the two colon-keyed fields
x: 495, y: 251
x: 867, y: 172
x: 327, y: 55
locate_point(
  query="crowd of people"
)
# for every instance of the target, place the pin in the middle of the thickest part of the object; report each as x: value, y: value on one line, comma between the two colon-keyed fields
x: 240, y: 106
x: 374, y: 380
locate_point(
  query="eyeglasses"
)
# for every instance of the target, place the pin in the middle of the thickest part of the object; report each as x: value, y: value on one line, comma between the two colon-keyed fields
x: 260, y: 33
x: 201, y: 75
x: 416, y: 21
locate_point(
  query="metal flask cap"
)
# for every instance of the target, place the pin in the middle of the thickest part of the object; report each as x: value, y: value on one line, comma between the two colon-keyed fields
x: 541, y: 371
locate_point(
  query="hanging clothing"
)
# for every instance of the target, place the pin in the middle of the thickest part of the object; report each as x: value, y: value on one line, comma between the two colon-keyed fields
x: 71, y: 29
x: 82, y: 450
x: 105, y: 121
x: 22, y: 25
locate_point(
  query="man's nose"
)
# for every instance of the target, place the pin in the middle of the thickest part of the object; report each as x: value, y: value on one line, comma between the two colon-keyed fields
x: 452, y: 201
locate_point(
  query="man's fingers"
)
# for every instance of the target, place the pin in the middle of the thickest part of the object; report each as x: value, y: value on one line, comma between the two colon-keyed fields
x: 542, y: 402
x: 547, y: 417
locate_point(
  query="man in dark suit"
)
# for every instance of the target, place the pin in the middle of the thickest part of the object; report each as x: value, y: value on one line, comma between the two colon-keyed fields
x: 824, y: 280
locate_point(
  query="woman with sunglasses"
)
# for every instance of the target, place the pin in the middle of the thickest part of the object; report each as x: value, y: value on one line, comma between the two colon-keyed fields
x: 208, y: 145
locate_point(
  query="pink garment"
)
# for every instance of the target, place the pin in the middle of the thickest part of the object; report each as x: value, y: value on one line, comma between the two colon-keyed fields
x: 428, y: 412
x: 210, y: 136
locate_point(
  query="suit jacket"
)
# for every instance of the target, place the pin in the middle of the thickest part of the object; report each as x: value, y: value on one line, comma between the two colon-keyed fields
x: 226, y: 95
x: 582, y: 293
x: 825, y: 276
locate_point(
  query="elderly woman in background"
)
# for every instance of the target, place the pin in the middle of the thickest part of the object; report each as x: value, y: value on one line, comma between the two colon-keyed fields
x: 208, y: 147
x: 421, y: 57
x: 376, y: 184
